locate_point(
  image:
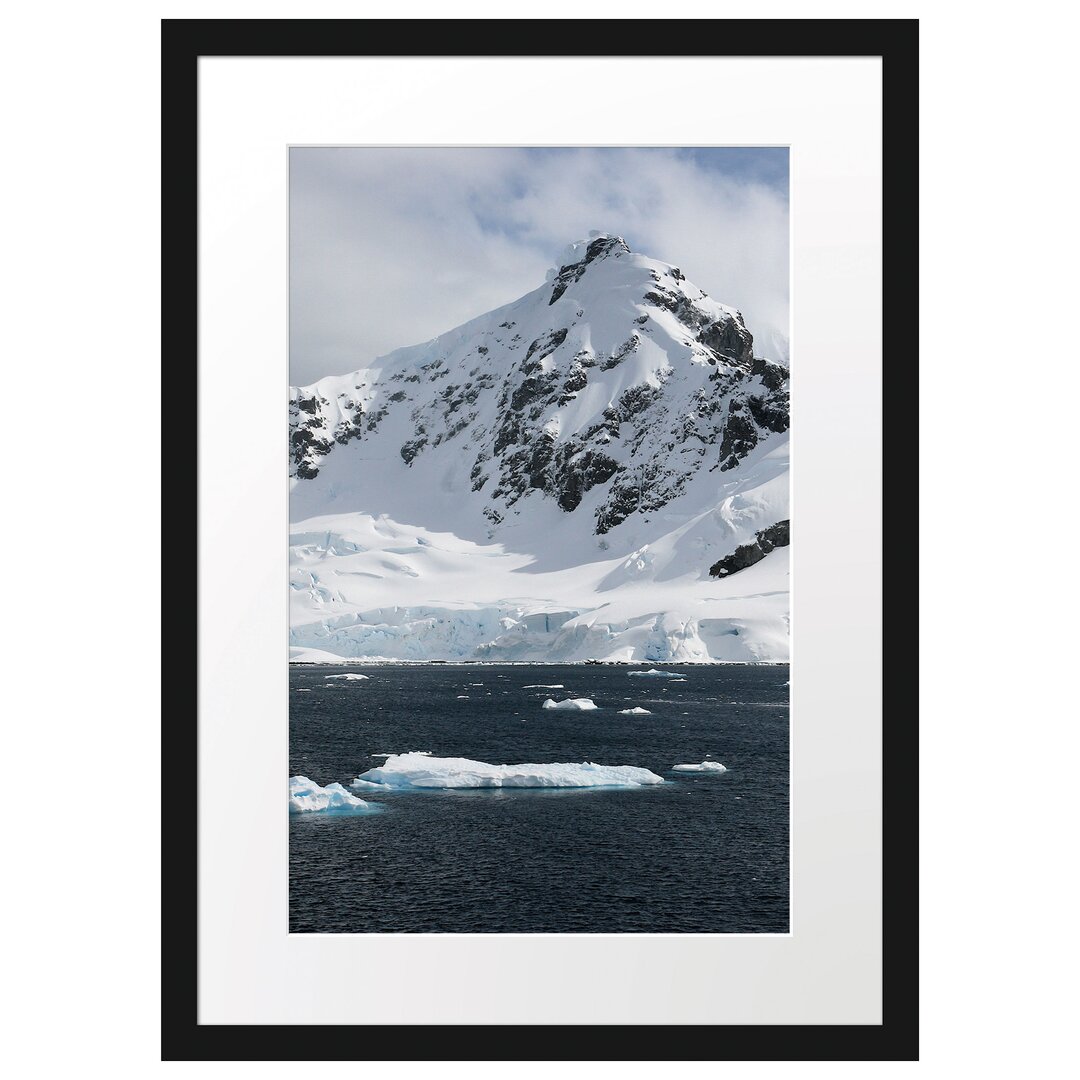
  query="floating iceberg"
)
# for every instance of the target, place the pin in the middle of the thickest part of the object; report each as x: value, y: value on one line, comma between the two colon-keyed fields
x: 653, y: 673
x: 544, y: 686
x: 636, y: 711
x: 306, y: 797
x: 352, y: 677
x: 704, y: 766
x: 414, y: 771
x: 358, y: 783
x: 573, y: 704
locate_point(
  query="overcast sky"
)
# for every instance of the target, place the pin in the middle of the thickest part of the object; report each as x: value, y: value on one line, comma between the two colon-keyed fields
x: 391, y: 247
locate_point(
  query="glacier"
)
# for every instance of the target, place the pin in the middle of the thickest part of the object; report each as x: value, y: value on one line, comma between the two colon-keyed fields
x: 307, y: 797
x: 550, y: 482
x: 417, y: 771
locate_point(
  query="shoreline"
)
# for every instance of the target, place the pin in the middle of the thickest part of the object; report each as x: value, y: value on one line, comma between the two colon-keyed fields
x: 364, y: 662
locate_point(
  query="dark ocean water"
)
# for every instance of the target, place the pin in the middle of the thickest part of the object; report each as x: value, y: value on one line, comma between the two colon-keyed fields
x: 701, y: 853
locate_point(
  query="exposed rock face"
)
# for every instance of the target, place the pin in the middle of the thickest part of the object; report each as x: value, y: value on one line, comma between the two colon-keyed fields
x: 778, y: 535
x: 567, y: 275
x: 307, y: 434
x: 607, y: 391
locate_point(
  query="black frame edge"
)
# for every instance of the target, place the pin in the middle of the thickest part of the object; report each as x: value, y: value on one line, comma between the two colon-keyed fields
x: 183, y: 41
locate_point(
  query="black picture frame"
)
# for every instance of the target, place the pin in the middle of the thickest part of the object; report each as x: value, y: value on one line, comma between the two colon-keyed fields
x: 896, y: 42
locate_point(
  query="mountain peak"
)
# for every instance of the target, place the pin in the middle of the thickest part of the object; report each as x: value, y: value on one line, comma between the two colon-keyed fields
x: 596, y: 246
x: 597, y: 469
x: 577, y: 257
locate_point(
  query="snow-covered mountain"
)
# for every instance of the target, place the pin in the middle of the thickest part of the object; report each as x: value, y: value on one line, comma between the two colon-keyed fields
x: 598, y: 470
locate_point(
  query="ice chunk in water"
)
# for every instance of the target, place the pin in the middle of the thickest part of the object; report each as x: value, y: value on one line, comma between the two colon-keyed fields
x: 419, y: 771
x: 307, y: 797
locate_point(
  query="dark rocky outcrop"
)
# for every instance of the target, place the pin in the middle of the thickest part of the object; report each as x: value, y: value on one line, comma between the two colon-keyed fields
x: 307, y: 441
x: 770, y: 412
x: 729, y: 339
x: 411, y: 449
x: 621, y: 353
x: 766, y: 540
x: 598, y: 248
x: 772, y: 374
x: 542, y: 347
x: 576, y: 380
x: 304, y: 449
x: 578, y: 473
x: 740, y: 435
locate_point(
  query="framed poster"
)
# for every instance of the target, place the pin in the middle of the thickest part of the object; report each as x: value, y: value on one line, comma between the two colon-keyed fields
x: 567, y: 623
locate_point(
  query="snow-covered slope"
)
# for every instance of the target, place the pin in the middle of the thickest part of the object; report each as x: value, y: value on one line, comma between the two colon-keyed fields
x: 551, y: 481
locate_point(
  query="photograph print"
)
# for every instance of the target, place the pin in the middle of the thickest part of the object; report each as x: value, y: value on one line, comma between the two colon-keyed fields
x: 539, y: 540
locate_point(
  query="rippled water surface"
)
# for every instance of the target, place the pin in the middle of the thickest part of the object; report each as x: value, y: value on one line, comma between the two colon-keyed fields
x: 701, y: 853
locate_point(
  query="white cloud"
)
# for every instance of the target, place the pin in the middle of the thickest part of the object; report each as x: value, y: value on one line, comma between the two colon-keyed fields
x: 390, y: 247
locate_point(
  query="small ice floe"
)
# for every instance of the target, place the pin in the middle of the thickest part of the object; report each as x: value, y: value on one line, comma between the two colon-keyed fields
x: 462, y: 697
x: 704, y: 766
x: 351, y: 677
x: 654, y: 673
x: 303, y: 690
x: 307, y: 797
x: 636, y: 711
x: 411, y: 772
x: 544, y: 686
x: 573, y: 704
x: 357, y: 784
